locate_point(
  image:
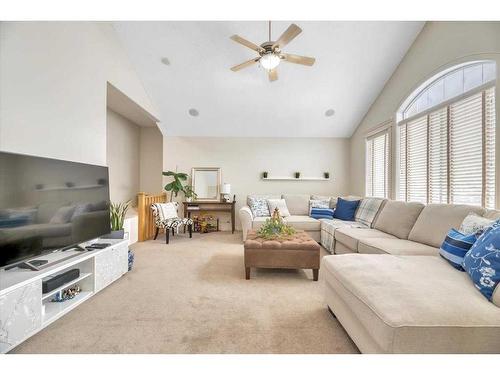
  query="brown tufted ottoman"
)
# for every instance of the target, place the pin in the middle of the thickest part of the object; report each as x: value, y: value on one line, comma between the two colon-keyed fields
x: 301, y: 251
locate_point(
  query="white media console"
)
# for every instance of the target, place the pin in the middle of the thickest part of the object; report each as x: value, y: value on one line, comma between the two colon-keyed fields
x: 25, y: 310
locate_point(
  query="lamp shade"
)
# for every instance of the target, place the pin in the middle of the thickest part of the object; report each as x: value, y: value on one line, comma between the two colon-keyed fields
x: 226, y: 188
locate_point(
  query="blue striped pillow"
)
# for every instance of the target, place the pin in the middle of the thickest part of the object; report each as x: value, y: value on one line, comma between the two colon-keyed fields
x: 321, y: 213
x: 455, y: 246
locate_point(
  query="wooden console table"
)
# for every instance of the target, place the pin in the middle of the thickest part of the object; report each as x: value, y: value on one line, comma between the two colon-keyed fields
x: 190, y: 207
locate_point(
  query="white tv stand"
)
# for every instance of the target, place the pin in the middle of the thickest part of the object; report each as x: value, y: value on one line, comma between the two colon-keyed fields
x: 25, y: 310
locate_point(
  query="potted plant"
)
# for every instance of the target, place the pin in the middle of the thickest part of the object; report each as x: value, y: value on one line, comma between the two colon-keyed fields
x: 117, y: 212
x: 327, y: 175
x: 264, y: 174
x: 189, y: 193
x: 297, y: 174
x: 175, y: 186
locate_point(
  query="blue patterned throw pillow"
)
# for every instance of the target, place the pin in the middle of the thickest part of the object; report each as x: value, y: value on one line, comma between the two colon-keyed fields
x: 321, y: 213
x: 482, y: 262
x: 455, y: 246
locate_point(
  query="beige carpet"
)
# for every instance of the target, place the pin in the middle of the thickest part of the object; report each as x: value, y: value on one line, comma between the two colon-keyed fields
x: 191, y: 296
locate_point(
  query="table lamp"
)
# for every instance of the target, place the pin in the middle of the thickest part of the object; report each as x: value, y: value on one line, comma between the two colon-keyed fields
x: 226, y: 192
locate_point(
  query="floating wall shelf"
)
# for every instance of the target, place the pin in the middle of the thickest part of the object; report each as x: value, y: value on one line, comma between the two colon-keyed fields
x: 295, y: 179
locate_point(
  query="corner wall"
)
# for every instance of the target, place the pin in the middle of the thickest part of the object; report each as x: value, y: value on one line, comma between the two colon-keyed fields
x: 53, y: 82
x: 242, y: 160
x: 438, y: 46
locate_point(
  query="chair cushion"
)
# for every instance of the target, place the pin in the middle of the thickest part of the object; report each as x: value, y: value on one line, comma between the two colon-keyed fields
x: 303, y: 222
x: 397, y: 218
x: 395, y: 246
x: 410, y: 304
x: 164, y: 211
x: 298, y: 204
x: 368, y: 209
x: 436, y: 220
x: 455, y: 246
x: 351, y: 236
x: 345, y: 209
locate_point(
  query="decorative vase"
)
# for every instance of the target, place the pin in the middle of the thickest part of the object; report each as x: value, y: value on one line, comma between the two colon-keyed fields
x: 189, y: 199
x: 297, y: 174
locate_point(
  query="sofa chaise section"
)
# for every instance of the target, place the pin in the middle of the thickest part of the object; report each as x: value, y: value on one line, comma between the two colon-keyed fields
x: 409, y: 304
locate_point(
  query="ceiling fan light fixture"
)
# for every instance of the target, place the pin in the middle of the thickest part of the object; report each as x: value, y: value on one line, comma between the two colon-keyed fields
x: 269, y: 61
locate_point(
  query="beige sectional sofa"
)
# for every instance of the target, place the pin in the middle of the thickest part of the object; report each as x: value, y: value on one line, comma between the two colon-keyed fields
x: 392, y: 292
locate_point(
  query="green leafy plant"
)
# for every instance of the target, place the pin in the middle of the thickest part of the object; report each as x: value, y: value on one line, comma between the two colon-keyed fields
x: 117, y: 212
x: 175, y: 186
x: 275, y: 228
x: 189, y: 192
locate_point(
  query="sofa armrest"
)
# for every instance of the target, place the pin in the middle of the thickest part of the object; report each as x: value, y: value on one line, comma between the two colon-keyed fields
x: 246, y: 219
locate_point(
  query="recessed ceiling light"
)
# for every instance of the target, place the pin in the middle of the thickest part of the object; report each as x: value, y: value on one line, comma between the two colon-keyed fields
x: 165, y: 61
x: 329, y: 112
x: 193, y: 112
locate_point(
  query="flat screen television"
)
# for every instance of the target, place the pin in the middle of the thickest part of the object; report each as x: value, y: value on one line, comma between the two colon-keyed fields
x: 48, y: 204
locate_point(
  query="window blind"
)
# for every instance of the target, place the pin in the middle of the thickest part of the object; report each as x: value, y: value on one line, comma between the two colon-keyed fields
x: 438, y: 157
x: 377, y: 165
x: 466, y: 150
x: 448, y: 155
x: 416, y: 160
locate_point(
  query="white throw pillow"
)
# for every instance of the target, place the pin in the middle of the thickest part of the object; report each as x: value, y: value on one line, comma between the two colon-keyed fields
x: 473, y: 223
x: 280, y: 204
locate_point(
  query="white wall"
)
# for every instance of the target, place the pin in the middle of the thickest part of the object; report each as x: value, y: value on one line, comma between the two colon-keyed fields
x: 242, y: 161
x: 438, y: 46
x: 151, y: 160
x: 123, y: 157
x: 53, y: 88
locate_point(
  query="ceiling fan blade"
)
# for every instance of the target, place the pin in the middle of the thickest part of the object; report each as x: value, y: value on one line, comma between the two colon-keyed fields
x: 296, y: 59
x: 273, y: 74
x: 245, y: 64
x: 289, y: 34
x: 246, y: 43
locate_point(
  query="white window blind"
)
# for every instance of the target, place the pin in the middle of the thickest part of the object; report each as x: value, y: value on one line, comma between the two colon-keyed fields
x: 416, y: 159
x: 466, y: 151
x: 378, y: 165
x: 448, y: 155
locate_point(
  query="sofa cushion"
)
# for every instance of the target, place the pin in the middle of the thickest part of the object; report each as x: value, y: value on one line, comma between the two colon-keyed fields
x: 409, y: 304
x: 474, y: 223
x: 482, y: 262
x: 280, y: 204
x: 298, y: 204
x: 321, y: 213
x: 436, y: 220
x: 368, y: 209
x: 345, y: 209
x: 397, y: 218
x: 303, y: 222
x: 455, y: 246
x: 395, y: 246
x: 258, y: 206
x: 328, y: 227
x: 350, y: 236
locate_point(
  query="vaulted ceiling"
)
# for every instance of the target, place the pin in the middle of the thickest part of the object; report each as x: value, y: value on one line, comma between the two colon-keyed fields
x: 353, y: 61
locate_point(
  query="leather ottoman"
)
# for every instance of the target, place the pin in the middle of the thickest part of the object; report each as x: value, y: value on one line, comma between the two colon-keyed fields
x: 299, y: 251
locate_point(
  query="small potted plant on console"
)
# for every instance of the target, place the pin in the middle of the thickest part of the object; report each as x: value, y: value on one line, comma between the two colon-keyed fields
x: 117, y: 212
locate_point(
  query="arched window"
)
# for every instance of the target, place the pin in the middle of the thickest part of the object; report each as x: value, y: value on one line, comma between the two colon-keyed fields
x: 446, y: 138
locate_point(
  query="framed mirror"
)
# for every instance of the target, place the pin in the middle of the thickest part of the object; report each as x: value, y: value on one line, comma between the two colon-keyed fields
x: 206, y: 183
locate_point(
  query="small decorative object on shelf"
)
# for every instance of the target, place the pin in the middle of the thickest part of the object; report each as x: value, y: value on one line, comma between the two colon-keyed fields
x: 130, y: 260
x: 67, y: 294
x: 326, y: 174
x: 297, y: 174
x: 206, y: 223
x: 117, y: 212
x: 264, y: 174
x: 189, y: 193
x: 226, y: 192
x: 275, y: 228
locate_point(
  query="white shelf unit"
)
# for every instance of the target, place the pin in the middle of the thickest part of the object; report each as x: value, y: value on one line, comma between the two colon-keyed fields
x: 25, y: 310
x: 295, y: 179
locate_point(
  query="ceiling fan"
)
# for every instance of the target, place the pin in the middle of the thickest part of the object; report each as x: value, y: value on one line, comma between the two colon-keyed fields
x: 270, y: 52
